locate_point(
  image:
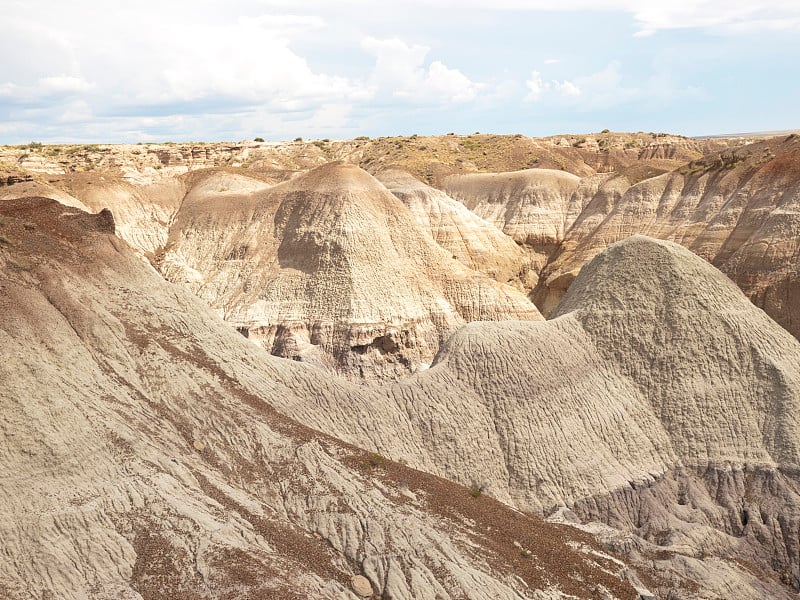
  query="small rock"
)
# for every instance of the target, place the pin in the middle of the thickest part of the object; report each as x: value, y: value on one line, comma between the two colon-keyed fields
x: 199, y: 445
x: 517, y: 545
x: 361, y: 586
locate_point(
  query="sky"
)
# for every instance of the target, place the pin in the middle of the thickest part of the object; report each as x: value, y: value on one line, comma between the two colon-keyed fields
x: 202, y: 70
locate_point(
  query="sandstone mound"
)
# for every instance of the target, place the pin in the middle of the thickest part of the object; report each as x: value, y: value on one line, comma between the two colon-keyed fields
x: 737, y: 209
x: 22, y: 185
x: 471, y: 240
x: 531, y: 205
x: 331, y: 268
x: 213, y: 183
x: 143, y: 212
x: 535, y: 207
x: 722, y: 376
x: 185, y: 476
x: 142, y: 457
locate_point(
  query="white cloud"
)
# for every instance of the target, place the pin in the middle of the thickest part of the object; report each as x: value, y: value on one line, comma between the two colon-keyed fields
x: 44, y: 89
x: 64, y: 84
x: 286, y: 26
x: 606, y: 89
x: 650, y: 16
x: 298, y: 66
x: 727, y: 15
x: 567, y: 88
x: 537, y: 87
x: 77, y: 111
x: 400, y: 72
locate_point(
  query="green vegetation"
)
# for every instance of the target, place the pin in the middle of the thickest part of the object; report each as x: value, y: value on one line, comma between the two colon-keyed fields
x: 375, y: 460
x: 471, y: 144
x: 475, y: 490
x: 258, y: 139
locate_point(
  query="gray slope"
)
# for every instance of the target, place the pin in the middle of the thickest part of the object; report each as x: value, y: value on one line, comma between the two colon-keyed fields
x: 141, y: 457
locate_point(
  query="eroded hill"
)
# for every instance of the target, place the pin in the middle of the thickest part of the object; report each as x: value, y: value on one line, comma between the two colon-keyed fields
x: 152, y: 451
x: 561, y: 199
x: 143, y: 456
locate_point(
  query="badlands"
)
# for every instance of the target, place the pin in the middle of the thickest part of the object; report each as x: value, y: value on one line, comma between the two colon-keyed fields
x: 323, y: 370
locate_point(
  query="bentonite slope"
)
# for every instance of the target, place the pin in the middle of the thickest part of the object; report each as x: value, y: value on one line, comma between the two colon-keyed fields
x: 660, y: 401
x: 331, y: 268
x: 535, y: 207
x: 143, y: 210
x: 471, y: 240
x: 142, y: 445
x: 142, y: 458
x: 531, y: 205
x: 738, y: 209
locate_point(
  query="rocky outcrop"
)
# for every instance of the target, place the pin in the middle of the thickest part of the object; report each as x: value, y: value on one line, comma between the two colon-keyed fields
x: 20, y: 187
x: 723, y: 379
x: 16, y: 182
x: 143, y: 212
x: 142, y: 456
x: 535, y: 207
x: 471, y: 240
x: 737, y: 209
x: 331, y: 268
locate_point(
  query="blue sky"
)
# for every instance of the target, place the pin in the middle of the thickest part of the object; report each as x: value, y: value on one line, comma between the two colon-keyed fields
x: 201, y: 70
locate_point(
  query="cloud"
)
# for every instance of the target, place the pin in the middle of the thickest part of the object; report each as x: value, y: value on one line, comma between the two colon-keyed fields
x: 728, y: 15
x: 606, y: 89
x: 537, y: 87
x: 64, y: 84
x: 400, y: 72
x: 566, y: 88
x: 154, y: 67
x: 44, y: 90
x: 285, y: 26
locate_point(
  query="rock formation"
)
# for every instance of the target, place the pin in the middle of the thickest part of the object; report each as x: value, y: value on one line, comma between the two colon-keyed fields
x: 738, y: 209
x: 660, y: 401
x: 142, y: 457
x: 331, y: 268
x: 150, y: 451
x: 473, y: 241
x: 535, y: 207
x: 18, y: 183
